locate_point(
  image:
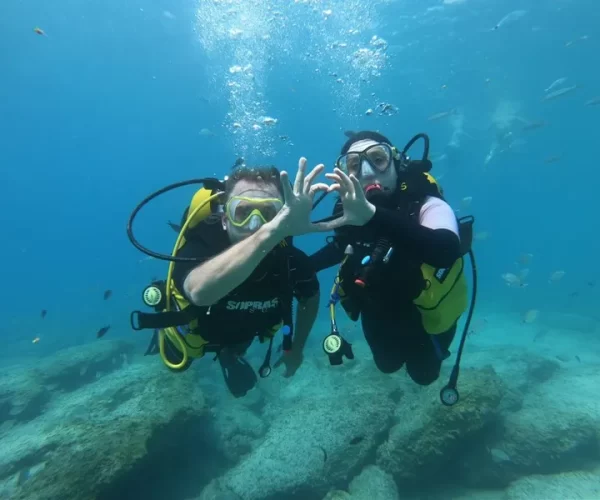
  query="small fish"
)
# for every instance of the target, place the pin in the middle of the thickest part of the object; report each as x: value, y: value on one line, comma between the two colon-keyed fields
x: 174, y: 227
x: 100, y: 333
x: 466, y: 202
x: 513, y: 280
x: 349, y: 133
x: 324, y: 453
x: 478, y: 326
x: 206, y: 132
x: 357, y: 439
x: 443, y: 114
x: 578, y: 359
x: 534, y: 125
x: 580, y: 39
x: 481, y: 236
x: 552, y: 159
x: 43, y: 313
x: 35, y: 340
x: 107, y: 294
x: 591, y: 283
x: 556, y: 276
x: 595, y: 101
x: 515, y: 15
x: 556, y: 83
x: 39, y: 31
x: 525, y: 259
x: 559, y: 93
x: 530, y: 316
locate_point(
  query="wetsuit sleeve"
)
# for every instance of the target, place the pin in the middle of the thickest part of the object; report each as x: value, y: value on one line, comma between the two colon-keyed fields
x: 328, y: 256
x: 436, y: 245
x: 304, y: 278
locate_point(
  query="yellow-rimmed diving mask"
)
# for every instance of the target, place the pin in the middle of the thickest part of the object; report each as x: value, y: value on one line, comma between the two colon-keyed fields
x: 252, y: 212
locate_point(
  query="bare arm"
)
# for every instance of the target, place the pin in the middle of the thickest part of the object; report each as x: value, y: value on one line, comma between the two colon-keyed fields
x: 212, y: 280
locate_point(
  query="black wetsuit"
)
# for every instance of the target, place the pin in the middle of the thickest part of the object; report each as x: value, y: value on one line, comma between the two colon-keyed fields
x: 391, y: 322
x: 254, y: 307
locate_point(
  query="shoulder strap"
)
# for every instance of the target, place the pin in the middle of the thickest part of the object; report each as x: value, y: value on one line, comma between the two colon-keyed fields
x: 287, y: 285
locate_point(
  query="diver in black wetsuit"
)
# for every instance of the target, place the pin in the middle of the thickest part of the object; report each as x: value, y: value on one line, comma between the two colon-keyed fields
x: 401, y: 247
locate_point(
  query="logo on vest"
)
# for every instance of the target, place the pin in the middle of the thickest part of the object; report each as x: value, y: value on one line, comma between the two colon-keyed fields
x: 442, y: 274
x: 253, y: 306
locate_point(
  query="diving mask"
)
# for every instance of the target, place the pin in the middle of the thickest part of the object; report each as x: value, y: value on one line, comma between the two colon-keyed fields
x: 252, y: 212
x: 380, y: 156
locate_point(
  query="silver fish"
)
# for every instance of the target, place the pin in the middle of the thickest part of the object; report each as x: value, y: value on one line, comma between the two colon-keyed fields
x: 443, y: 114
x: 509, y: 18
x: 559, y: 93
x: 556, y: 83
x: 595, y: 101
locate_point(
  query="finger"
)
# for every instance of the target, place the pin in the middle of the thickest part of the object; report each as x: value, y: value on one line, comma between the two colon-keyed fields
x: 360, y: 194
x: 285, y: 186
x: 335, y: 187
x: 334, y: 177
x: 300, y: 175
x: 311, y: 176
x: 321, y: 186
x: 345, y: 181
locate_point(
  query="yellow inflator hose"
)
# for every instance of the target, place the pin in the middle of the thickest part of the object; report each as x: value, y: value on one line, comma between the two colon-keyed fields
x: 172, y: 332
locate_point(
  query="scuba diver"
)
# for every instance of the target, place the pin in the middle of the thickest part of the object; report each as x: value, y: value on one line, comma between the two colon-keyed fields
x: 401, y: 251
x: 234, y: 273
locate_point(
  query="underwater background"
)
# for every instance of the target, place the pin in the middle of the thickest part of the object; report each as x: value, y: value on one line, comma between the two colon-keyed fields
x: 102, y: 103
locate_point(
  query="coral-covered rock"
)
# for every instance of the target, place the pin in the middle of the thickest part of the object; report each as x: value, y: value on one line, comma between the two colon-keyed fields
x: 431, y: 434
x: 321, y: 432
x: 579, y: 484
x: 373, y: 484
x: 26, y: 391
x: 72, y: 368
x: 129, y: 430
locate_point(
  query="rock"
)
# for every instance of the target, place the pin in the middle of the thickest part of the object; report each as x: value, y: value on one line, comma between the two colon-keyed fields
x: 338, y: 495
x: 321, y: 432
x: 555, y: 430
x: 140, y: 428
x: 541, y: 370
x: 374, y: 484
x: 25, y: 392
x: 22, y: 397
x: 568, y: 485
x: 75, y: 367
x: 432, y: 435
x: 236, y: 429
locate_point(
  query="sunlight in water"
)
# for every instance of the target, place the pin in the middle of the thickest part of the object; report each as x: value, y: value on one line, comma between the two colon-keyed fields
x: 243, y: 38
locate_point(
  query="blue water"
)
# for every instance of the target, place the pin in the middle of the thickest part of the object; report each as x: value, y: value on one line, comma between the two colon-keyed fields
x: 121, y: 98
